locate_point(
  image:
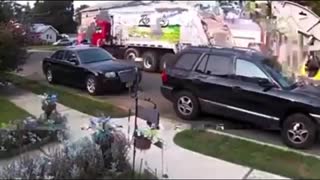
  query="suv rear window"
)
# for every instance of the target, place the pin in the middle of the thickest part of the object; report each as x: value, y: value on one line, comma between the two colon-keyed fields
x: 187, y: 60
x: 58, y: 55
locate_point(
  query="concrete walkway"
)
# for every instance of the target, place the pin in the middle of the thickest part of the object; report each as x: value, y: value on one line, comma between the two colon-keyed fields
x: 176, y: 162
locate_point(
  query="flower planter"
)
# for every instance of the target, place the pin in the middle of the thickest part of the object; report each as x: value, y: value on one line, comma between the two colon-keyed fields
x: 142, y: 143
x: 48, y: 109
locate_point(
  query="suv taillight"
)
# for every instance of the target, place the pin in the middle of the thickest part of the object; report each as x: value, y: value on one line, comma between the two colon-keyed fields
x: 164, y: 76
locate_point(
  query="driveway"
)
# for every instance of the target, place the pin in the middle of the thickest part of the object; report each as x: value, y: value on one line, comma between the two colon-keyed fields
x: 151, y: 89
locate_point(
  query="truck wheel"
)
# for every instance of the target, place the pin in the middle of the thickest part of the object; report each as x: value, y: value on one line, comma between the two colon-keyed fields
x: 150, y: 61
x: 298, y: 131
x: 163, y: 61
x: 131, y: 54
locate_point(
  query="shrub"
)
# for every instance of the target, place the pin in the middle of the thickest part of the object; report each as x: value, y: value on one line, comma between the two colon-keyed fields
x: 12, y: 51
x: 80, y: 160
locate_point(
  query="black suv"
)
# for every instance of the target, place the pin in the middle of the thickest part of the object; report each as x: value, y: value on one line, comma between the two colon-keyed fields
x: 245, y: 85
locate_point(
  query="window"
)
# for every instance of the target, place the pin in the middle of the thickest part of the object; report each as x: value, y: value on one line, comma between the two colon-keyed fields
x: 47, y: 36
x: 94, y: 55
x: 186, y: 61
x: 58, y: 55
x: 248, y: 69
x: 70, y: 55
x: 202, y: 65
x: 219, y: 65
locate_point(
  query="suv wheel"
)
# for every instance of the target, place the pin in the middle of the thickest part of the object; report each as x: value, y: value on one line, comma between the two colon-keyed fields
x: 299, y: 131
x: 186, y: 105
x: 49, y: 75
x: 92, y: 85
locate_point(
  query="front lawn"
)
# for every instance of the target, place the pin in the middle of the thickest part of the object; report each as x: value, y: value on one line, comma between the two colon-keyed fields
x: 265, y: 158
x: 69, y: 97
x: 10, y: 112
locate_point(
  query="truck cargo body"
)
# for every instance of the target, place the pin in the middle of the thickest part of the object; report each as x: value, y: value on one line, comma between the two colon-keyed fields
x: 149, y: 33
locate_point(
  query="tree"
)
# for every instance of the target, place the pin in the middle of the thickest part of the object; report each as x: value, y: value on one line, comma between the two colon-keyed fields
x: 59, y: 14
x: 12, y: 36
x: 78, y: 14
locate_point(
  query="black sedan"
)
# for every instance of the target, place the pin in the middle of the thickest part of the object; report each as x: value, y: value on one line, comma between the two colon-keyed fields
x: 90, y: 67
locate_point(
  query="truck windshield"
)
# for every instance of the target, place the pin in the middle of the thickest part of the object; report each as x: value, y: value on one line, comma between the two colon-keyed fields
x: 280, y: 73
x: 94, y: 55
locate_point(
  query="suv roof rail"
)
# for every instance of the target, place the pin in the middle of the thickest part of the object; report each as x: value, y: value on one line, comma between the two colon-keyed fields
x: 244, y: 48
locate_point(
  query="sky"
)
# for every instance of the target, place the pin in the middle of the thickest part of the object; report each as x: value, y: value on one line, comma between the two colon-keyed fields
x: 76, y: 3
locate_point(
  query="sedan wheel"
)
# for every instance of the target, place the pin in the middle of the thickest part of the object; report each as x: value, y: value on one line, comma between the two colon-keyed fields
x: 92, y: 85
x: 49, y: 76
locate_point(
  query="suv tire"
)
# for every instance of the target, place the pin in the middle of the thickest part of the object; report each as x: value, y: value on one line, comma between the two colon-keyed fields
x: 186, y: 105
x: 301, y: 137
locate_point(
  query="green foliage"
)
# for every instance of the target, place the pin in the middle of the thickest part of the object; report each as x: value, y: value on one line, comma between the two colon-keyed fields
x: 12, y: 51
x: 59, y: 14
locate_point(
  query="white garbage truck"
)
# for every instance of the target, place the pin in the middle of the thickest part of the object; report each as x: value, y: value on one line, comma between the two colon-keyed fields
x: 149, y: 33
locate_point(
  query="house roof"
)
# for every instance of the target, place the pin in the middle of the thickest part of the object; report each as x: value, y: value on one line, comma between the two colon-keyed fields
x: 40, y: 28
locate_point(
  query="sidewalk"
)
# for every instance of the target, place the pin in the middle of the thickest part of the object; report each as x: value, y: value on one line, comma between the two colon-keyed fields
x: 178, y: 163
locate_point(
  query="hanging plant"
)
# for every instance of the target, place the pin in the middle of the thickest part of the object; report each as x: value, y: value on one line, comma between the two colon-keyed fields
x: 145, y: 137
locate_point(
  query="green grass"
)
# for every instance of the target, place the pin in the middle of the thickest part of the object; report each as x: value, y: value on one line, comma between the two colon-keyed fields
x: 45, y: 47
x: 9, y: 112
x: 265, y: 158
x: 69, y: 97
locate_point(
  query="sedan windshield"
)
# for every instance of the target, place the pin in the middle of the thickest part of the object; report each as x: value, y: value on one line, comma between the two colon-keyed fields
x: 94, y: 55
x: 280, y: 73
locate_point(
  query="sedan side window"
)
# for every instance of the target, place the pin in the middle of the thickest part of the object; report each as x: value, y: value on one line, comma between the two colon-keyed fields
x: 58, y: 55
x: 249, y: 70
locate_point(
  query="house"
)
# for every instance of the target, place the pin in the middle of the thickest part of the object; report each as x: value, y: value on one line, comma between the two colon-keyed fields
x: 44, y: 32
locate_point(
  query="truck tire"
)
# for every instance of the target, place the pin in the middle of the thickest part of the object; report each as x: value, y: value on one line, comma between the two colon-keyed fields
x: 131, y: 54
x: 298, y: 131
x: 164, y: 59
x: 150, y: 61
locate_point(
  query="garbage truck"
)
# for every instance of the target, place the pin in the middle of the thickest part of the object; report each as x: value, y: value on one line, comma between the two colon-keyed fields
x: 150, y: 34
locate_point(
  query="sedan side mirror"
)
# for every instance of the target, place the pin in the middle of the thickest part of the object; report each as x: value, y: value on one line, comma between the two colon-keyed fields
x: 266, y: 84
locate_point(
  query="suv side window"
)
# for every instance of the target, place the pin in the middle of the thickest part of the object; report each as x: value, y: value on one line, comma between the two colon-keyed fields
x: 58, y: 55
x: 202, y: 65
x: 219, y: 65
x: 249, y: 70
x: 187, y: 61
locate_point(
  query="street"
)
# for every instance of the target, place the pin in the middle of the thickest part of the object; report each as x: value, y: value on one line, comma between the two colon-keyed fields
x: 151, y: 89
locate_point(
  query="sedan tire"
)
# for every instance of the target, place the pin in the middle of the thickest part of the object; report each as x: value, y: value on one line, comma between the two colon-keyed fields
x: 299, y: 131
x: 186, y: 105
x: 49, y: 75
x: 92, y: 85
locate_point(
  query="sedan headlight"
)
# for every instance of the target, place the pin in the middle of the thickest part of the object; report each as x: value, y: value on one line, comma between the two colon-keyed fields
x: 110, y: 75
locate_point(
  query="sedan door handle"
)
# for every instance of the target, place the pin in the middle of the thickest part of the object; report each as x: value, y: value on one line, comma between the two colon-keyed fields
x: 196, y: 81
x: 236, y: 88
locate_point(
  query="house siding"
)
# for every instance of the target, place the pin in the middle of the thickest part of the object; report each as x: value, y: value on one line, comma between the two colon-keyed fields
x: 49, y: 36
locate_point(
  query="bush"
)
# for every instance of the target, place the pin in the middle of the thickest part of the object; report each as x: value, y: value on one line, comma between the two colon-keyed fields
x: 81, y: 160
x: 12, y: 51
